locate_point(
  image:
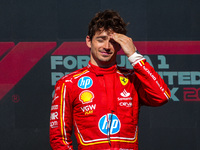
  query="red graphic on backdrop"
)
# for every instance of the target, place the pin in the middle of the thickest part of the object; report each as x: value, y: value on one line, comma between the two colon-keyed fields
x: 19, y: 61
x: 191, y: 94
x: 144, y: 47
x: 16, y: 62
x: 5, y: 47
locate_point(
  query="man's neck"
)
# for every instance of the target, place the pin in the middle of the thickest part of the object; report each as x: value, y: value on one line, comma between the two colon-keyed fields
x: 102, y: 64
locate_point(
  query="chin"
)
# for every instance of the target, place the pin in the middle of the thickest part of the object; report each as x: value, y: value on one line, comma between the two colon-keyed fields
x: 105, y: 60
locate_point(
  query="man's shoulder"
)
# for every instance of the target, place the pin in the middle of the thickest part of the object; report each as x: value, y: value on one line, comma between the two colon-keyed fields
x: 73, y: 76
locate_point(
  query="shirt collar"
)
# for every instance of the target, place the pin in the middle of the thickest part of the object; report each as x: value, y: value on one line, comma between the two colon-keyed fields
x: 101, y: 71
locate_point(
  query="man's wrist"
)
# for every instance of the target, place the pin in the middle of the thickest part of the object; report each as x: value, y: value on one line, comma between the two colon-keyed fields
x: 135, y: 58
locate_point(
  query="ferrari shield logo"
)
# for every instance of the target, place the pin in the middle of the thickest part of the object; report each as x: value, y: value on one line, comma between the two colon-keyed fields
x: 123, y: 80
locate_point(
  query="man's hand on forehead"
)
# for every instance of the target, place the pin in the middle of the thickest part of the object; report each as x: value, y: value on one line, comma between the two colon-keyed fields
x: 125, y: 42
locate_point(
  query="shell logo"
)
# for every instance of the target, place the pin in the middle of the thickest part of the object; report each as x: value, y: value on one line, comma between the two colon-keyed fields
x: 86, y: 97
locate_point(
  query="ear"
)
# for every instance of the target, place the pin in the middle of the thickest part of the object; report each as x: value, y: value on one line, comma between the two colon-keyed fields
x: 88, y: 41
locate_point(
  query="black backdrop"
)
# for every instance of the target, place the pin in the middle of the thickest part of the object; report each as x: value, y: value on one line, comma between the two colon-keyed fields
x: 49, y: 20
x: 25, y: 124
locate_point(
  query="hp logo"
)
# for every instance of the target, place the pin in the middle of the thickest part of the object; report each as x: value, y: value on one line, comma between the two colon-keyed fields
x: 85, y: 82
x: 109, y: 124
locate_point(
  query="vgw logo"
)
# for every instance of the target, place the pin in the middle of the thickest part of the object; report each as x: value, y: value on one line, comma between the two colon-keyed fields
x: 109, y: 123
x: 85, y: 82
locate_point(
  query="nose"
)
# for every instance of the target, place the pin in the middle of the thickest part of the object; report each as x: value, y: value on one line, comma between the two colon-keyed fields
x: 107, y: 44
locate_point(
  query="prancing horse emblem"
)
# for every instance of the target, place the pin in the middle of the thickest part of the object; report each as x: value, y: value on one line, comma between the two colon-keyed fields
x: 123, y: 80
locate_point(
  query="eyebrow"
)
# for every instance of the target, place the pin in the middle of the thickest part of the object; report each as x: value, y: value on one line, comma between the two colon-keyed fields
x: 103, y: 37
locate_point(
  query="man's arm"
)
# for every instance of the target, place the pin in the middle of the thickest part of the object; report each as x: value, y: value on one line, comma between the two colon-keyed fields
x: 151, y: 87
x: 61, y: 119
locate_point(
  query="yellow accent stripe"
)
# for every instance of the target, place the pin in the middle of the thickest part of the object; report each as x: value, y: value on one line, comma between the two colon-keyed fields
x: 142, y: 62
x: 167, y: 94
x: 80, y: 73
x: 61, y: 113
x: 126, y: 141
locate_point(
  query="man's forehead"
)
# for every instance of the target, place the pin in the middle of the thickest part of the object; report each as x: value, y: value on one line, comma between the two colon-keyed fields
x: 104, y: 32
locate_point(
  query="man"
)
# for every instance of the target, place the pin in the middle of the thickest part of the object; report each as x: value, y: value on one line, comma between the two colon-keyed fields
x: 102, y: 100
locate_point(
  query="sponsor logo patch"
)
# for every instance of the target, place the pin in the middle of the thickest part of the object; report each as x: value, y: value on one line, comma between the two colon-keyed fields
x: 123, y: 80
x: 126, y: 104
x: 69, y: 80
x: 55, y: 97
x: 85, y: 82
x: 125, y: 93
x: 89, y: 109
x: 125, y: 96
x: 54, y: 116
x: 86, y: 97
x: 54, y: 107
x: 54, y: 124
x: 109, y: 123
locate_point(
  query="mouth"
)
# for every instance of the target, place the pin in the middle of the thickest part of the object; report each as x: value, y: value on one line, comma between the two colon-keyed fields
x: 106, y: 53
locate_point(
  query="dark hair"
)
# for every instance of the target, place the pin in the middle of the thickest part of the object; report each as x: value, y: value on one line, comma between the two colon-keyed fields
x: 107, y: 20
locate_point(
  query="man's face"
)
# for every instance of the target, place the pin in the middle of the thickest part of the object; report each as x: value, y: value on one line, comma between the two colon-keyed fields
x: 103, y: 48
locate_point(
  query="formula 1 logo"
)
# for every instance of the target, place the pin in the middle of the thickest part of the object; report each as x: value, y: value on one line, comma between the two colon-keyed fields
x: 109, y: 123
x: 85, y: 82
